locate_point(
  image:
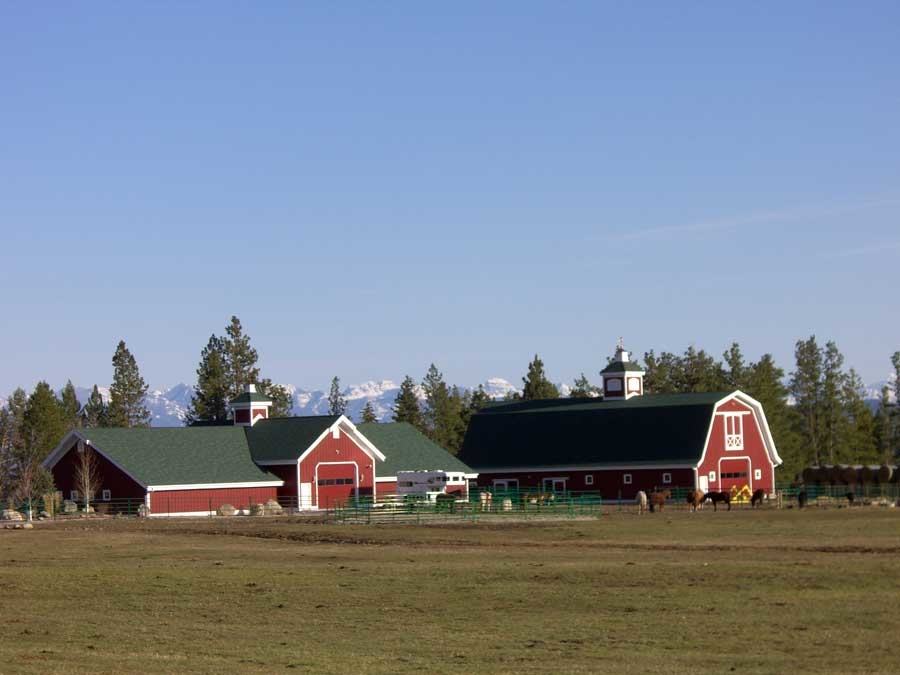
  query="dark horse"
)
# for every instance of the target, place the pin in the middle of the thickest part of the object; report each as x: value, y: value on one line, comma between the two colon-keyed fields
x: 716, y: 497
x: 757, y: 498
x: 802, y: 498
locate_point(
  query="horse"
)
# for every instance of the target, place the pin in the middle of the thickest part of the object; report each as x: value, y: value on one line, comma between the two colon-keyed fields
x: 539, y: 498
x: 641, y: 500
x: 486, y: 498
x: 716, y: 497
x: 802, y: 498
x: 850, y: 497
x: 757, y: 498
x: 658, y: 499
x: 695, y: 499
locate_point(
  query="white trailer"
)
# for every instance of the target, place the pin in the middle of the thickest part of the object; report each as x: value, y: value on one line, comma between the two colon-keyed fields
x: 430, y: 484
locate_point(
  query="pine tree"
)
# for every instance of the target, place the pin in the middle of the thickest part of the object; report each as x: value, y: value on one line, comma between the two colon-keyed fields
x: 834, y: 423
x: 584, y: 389
x: 282, y: 401
x: 127, y: 392
x: 735, y: 375
x: 441, y: 414
x: 368, y: 414
x: 857, y: 443
x: 699, y: 372
x: 765, y: 384
x: 406, y: 404
x: 806, y: 388
x: 94, y: 412
x: 337, y: 405
x: 536, y: 384
x: 661, y: 373
x: 239, y: 359
x: 12, y: 440
x: 71, y: 406
x: 45, y: 422
x: 210, y: 402
x: 884, y: 428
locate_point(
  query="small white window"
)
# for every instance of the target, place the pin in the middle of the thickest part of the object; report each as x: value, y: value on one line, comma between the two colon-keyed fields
x: 73, y: 495
x: 589, y: 479
x: 667, y: 478
x: 712, y: 476
x: 626, y: 478
x: 107, y: 495
x: 757, y: 474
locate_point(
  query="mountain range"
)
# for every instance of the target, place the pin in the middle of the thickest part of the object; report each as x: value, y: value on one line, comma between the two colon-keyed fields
x: 168, y: 406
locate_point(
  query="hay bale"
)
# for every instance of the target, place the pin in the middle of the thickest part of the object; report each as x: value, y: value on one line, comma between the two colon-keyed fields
x: 850, y: 475
x: 11, y: 515
x: 69, y: 506
x: 273, y: 508
x: 226, y: 510
x: 257, y: 509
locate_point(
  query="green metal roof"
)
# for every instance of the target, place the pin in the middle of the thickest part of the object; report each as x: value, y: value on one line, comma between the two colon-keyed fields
x: 250, y: 397
x: 407, y: 449
x: 621, y: 367
x: 285, y: 438
x: 668, y: 428
x: 180, y: 456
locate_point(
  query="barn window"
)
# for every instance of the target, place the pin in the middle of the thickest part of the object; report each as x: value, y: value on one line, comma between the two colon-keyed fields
x: 107, y: 495
x: 589, y: 479
x: 626, y: 478
x: 712, y: 476
x: 667, y: 478
x: 73, y: 495
x: 734, y: 431
x: 757, y: 474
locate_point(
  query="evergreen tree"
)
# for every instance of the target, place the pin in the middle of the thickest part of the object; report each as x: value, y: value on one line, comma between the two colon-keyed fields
x: 282, y: 401
x: 536, y: 384
x: 71, y: 406
x: 858, y: 442
x: 45, y: 422
x: 127, y: 392
x: 764, y: 382
x: 12, y: 440
x: 406, y: 405
x: 833, y: 421
x: 368, y: 414
x: 337, y: 405
x: 699, y: 372
x: 661, y: 373
x: 584, y: 389
x: 210, y: 402
x: 469, y: 404
x: 735, y: 374
x: 239, y: 359
x: 884, y: 427
x: 806, y: 388
x: 441, y: 414
x: 94, y: 412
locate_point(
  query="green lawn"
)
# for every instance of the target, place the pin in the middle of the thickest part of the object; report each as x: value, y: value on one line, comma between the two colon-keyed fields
x: 813, y: 591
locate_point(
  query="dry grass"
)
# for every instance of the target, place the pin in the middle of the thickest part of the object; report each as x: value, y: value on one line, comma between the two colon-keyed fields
x: 768, y: 592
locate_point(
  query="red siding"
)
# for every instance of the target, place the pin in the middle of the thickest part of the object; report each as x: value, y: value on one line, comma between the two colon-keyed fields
x: 323, y: 460
x: 187, y: 501
x: 609, y: 483
x: 242, y: 416
x: 287, y: 473
x: 753, y: 456
x: 119, y: 483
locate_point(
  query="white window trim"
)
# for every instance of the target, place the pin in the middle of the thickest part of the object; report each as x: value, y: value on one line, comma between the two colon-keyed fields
x: 626, y: 479
x: 757, y: 474
x: 712, y: 476
x: 734, y: 422
x: 666, y: 478
x: 106, y: 495
x: 589, y: 479
x: 73, y: 495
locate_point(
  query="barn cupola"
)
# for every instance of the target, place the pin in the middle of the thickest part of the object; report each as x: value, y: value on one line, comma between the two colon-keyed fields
x: 622, y: 378
x: 249, y: 407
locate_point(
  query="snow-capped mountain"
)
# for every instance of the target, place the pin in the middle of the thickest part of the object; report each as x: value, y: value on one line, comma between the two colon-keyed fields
x: 168, y: 406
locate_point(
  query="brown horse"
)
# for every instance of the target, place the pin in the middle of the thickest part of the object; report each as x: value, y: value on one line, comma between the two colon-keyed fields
x: 695, y: 499
x: 716, y: 497
x: 802, y: 498
x: 658, y: 499
x: 757, y: 498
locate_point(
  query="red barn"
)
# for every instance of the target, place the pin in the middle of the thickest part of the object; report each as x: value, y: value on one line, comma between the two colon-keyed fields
x: 303, y: 462
x: 625, y: 441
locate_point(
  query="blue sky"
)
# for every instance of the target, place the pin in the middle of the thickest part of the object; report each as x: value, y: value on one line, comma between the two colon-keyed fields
x: 373, y: 187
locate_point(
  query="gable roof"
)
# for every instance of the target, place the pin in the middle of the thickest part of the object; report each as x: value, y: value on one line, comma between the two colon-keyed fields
x: 663, y: 428
x: 280, y: 439
x: 162, y: 456
x: 408, y: 449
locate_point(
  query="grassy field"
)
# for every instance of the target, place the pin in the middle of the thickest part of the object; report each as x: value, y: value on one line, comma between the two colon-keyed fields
x: 813, y: 591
